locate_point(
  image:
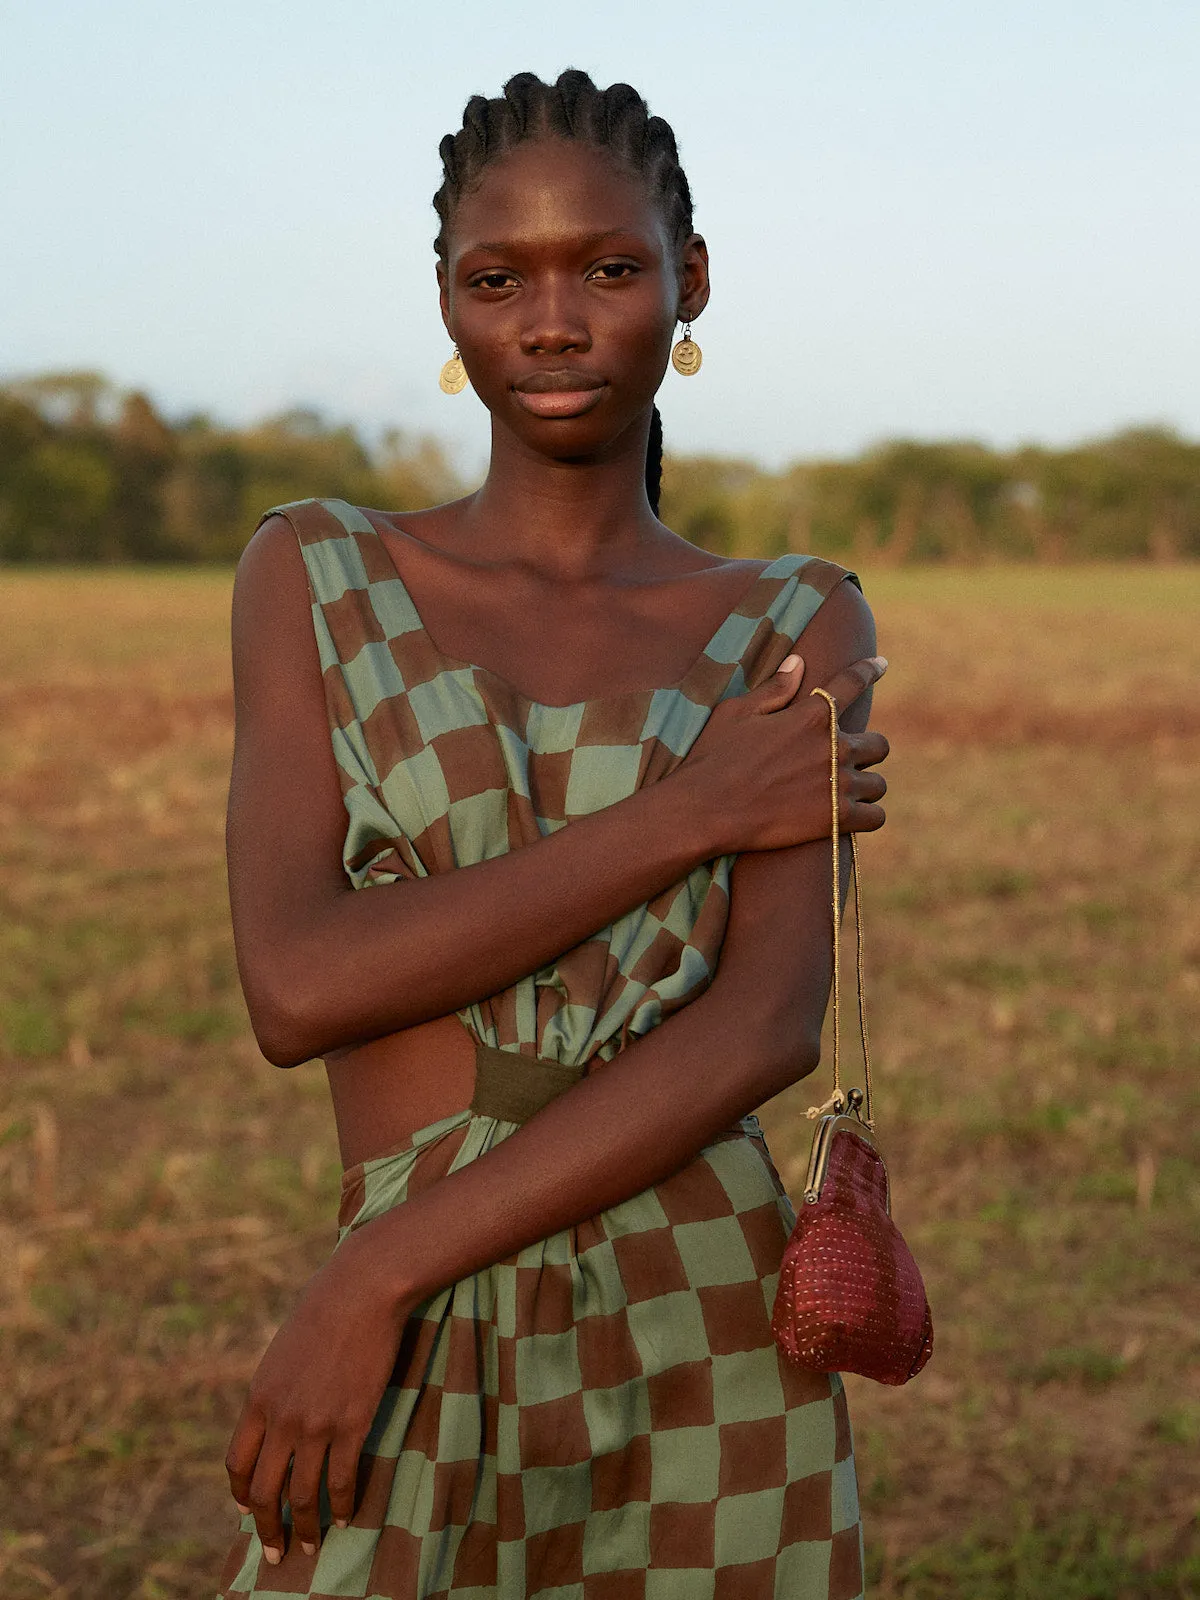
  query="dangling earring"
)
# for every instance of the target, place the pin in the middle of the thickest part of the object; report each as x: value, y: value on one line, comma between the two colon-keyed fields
x: 453, y: 377
x: 686, y: 357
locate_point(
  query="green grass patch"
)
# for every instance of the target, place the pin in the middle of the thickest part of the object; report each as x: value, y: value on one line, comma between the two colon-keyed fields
x: 1078, y: 1559
x: 1074, y: 1364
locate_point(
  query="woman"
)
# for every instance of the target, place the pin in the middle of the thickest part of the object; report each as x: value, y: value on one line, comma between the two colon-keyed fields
x: 539, y: 1362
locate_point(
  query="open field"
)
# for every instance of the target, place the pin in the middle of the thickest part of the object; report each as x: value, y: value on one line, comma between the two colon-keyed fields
x: 1034, y: 944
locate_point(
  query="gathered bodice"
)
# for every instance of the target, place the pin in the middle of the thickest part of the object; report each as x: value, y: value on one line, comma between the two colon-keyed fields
x: 443, y: 763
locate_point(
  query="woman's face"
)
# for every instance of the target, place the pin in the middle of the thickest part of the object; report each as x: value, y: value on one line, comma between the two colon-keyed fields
x: 561, y: 289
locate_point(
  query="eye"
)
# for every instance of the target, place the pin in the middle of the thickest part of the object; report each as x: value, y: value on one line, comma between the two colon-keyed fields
x: 614, y: 271
x: 493, y: 280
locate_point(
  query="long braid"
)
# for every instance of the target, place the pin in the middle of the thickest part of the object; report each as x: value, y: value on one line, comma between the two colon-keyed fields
x: 654, y: 455
x: 616, y: 119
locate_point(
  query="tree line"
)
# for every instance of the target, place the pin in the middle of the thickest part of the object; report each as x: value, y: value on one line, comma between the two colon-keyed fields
x: 90, y: 473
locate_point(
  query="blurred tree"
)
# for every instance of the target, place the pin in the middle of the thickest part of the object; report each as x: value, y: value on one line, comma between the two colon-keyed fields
x: 414, y: 472
x: 700, y: 501
x: 78, y: 399
x: 88, y: 473
x: 143, y: 450
x: 57, y: 504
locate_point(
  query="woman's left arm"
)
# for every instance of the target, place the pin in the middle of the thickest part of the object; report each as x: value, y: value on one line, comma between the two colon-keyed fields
x: 633, y: 1123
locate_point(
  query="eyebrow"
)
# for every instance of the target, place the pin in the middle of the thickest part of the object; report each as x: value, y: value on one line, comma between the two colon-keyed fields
x: 589, y: 241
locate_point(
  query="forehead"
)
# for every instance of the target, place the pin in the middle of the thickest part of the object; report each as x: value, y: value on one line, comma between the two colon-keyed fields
x: 553, y: 189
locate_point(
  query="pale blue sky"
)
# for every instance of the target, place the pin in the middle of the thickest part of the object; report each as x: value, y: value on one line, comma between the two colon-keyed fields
x: 926, y: 217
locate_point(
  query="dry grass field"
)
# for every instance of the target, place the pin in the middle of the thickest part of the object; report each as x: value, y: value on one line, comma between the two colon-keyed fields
x: 1034, y: 942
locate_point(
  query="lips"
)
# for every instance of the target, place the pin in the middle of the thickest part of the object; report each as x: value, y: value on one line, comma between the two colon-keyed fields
x: 561, y: 392
x: 559, y: 380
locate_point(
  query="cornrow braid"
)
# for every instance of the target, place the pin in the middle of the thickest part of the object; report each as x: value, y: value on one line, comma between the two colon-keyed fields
x: 654, y: 455
x: 615, y: 119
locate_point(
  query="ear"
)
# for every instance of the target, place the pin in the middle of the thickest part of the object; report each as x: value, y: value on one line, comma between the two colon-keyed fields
x: 693, y: 278
x: 443, y: 279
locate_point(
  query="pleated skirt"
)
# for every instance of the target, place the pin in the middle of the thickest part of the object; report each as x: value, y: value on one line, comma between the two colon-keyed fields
x: 604, y: 1416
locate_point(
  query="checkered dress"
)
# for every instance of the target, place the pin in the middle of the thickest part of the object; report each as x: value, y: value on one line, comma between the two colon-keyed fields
x: 603, y: 1416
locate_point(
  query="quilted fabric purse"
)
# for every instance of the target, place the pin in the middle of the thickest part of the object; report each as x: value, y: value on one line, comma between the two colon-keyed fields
x: 850, y: 1297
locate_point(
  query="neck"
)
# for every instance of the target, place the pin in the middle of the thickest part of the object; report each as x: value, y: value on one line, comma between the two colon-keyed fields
x: 577, y: 519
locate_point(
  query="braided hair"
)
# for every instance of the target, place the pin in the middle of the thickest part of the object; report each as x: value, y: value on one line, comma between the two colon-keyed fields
x: 615, y: 119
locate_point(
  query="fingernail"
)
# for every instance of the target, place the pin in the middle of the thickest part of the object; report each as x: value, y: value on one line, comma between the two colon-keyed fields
x: 790, y: 664
x: 309, y: 1549
x: 881, y: 662
x: 340, y: 1522
x: 245, y: 1510
x: 273, y: 1555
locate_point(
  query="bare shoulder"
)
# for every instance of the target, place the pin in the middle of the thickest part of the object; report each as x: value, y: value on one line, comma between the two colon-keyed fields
x: 285, y: 797
x: 272, y: 632
x: 438, y: 528
x: 270, y: 573
x: 843, y: 627
x: 841, y: 633
x: 271, y: 557
x: 673, y: 556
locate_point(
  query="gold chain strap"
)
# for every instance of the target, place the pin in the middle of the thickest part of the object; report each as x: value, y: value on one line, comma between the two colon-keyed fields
x: 838, y: 1101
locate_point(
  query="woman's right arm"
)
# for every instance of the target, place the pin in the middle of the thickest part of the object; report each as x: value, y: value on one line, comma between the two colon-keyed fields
x: 324, y: 966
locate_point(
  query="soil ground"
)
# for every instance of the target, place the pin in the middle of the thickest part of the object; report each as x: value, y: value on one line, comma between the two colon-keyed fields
x: 1033, y: 923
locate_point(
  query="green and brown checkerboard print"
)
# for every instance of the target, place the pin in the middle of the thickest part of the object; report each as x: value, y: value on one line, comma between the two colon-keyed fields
x: 603, y: 1416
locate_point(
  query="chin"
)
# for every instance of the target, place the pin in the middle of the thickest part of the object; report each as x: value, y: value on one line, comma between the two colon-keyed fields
x: 589, y: 433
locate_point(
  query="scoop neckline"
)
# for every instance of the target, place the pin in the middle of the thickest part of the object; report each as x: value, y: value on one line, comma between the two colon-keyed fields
x: 456, y: 663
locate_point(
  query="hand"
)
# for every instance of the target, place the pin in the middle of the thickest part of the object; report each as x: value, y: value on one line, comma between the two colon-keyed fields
x: 315, y: 1393
x: 761, y: 764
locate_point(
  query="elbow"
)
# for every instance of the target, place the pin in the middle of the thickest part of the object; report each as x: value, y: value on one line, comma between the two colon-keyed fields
x: 792, y: 1057
x: 776, y: 1040
x: 281, y: 1036
x: 806, y: 1057
x: 281, y: 1048
x: 284, y: 1025
x: 788, y: 1048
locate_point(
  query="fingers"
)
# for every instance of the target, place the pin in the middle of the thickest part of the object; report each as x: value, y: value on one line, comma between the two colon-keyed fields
x: 859, y: 794
x: 259, y: 1473
x: 242, y: 1457
x: 304, y: 1493
x: 862, y: 749
x: 266, y: 1495
x: 343, y: 1477
x: 857, y: 816
x: 780, y: 688
x: 846, y: 686
x: 868, y: 786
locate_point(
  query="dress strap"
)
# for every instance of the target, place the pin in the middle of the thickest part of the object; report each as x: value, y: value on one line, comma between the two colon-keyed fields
x: 315, y: 521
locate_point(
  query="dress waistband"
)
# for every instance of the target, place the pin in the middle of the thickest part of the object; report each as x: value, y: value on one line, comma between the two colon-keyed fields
x: 512, y: 1087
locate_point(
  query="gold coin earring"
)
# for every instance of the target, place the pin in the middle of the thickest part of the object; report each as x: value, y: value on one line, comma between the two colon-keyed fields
x: 453, y: 376
x: 686, y: 357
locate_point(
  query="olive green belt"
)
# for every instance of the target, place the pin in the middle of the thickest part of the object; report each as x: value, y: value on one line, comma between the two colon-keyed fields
x: 511, y: 1087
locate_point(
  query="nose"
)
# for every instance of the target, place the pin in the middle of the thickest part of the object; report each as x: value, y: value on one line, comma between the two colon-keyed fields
x: 554, y: 320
